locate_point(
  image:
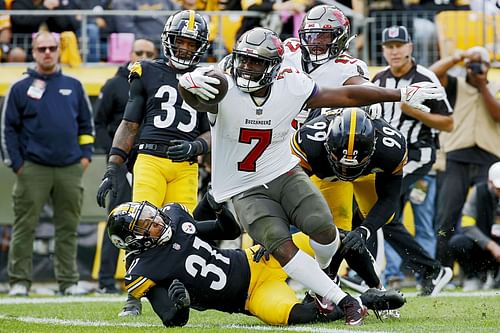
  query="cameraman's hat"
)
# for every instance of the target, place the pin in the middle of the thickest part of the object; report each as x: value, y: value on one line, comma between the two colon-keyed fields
x: 396, y: 33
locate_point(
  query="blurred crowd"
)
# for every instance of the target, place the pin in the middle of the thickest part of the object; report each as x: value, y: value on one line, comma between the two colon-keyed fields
x: 282, y: 16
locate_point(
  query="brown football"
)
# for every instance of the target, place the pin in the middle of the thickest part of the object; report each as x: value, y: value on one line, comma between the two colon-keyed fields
x: 193, y: 100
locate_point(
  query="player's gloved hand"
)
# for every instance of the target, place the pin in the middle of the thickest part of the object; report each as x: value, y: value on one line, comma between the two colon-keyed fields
x: 374, y: 111
x: 109, y: 183
x: 211, y: 200
x: 416, y: 93
x: 260, y: 253
x: 355, y: 240
x: 196, y: 82
x: 179, y: 295
x: 181, y: 150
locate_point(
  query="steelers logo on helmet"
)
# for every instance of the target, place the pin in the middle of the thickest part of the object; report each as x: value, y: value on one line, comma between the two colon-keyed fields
x: 136, y: 226
x: 324, y: 34
x: 257, y: 58
x: 185, y: 39
x: 350, y: 143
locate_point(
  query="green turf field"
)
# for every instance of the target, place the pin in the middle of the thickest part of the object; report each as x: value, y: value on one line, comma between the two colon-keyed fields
x: 452, y: 312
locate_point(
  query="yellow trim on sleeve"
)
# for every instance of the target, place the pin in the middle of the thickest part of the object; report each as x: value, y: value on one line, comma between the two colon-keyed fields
x: 140, y: 286
x: 85, y: 139
x: 468, y: 221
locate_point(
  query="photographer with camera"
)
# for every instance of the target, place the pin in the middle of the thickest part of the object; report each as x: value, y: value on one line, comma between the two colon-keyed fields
x: 472, y: 147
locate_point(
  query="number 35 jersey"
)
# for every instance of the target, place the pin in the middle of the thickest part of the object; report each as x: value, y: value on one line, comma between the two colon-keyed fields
x: 308, y: 144
x: 215, y: 278
x: 165, y: 116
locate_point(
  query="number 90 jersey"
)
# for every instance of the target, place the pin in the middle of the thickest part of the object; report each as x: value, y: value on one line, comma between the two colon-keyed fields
x: 308, y: 144
x: 165, y: 116
x: 216, y: 279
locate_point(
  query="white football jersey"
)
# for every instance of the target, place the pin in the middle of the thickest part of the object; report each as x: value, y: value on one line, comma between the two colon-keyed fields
x: 332, y: 74
x: 250, y: 143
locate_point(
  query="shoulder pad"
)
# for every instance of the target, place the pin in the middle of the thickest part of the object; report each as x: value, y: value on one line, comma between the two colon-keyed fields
x: 135, y: 71
x: 291, y: 45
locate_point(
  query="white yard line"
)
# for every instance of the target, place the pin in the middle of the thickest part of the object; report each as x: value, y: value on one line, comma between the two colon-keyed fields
x: 65, y: 322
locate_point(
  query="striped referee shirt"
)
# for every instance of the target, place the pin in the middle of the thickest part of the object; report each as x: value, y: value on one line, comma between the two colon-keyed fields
x: 422, y: 140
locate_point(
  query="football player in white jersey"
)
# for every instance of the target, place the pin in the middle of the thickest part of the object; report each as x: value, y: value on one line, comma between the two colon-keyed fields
x: 320, y: 51
x: 252, y: 163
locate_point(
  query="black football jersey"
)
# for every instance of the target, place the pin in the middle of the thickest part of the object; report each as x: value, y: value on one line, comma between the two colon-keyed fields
x: 215, y: 278
x: 308, y: 144
x: 166, y: 116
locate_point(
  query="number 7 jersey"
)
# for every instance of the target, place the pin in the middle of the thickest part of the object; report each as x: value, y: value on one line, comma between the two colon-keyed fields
x: 250, y: 142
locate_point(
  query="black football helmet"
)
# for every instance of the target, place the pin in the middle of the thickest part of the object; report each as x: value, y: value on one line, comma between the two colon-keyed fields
x: 261, y: 46
x: 350, y: 143
x: 189, y: 24
x: 324, y: 34
x: 137, y: 226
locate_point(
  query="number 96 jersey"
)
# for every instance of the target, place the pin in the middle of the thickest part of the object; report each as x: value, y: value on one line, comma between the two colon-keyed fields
x: 215, y: 279
x: 308, y: 144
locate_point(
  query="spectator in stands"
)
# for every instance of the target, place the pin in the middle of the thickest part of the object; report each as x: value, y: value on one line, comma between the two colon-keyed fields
x: 17, y: 54
x: 109, y: 109
x: 473, y: 144
x: 272, y: 20
x: 97, y: 28
x: 420, y: 130
x: 47, y: 139
x: 149, y: 27
x: 477, y: 250
x: 27, y: 24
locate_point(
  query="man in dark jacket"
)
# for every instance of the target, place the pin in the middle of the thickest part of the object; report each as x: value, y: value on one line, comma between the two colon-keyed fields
x: 47, y: 139
x: 477, y: 249
x: 108, y: 115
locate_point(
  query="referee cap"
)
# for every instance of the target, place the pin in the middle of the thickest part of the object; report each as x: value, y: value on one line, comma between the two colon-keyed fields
x: 396, y: 33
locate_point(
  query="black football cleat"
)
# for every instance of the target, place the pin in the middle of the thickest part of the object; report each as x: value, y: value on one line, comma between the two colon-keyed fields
x: 376, y: 299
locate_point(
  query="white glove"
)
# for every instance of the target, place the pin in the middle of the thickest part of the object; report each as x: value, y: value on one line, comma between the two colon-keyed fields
x: 197, y: 83
x: 415, y: 94
x: 374, y: 111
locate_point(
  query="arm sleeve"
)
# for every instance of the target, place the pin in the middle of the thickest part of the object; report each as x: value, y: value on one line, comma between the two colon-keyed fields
x: 85, y: 125
x: 387, y: 187
x: 477, y: 236
x: 10, y: 128
x: 165, y: 309
x: 136, y: 101
x: 212, y: 226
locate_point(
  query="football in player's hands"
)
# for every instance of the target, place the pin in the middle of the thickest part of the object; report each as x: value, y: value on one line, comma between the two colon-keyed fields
x: 222, y: 87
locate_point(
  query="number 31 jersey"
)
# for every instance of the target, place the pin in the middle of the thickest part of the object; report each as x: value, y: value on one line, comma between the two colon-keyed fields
x: 215, y: 278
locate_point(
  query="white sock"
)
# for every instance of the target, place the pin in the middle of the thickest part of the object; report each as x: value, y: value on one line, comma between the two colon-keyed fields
x: 306, y: 270
x: 324, y: 252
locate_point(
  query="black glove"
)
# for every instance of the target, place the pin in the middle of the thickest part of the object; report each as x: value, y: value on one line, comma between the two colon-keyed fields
x: 179, y: 295
x: 355, y: 240
x: 109, y: 182
x: 261, y: 252
x: 211, y: 201
x: 181, y: 150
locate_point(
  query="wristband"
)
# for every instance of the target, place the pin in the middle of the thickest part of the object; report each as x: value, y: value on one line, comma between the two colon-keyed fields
x: 118, y: 151
x: 204, y: 145
x: 368, y: 233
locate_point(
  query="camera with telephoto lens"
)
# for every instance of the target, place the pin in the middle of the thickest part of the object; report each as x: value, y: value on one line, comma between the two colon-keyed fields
x: 476, y: 67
